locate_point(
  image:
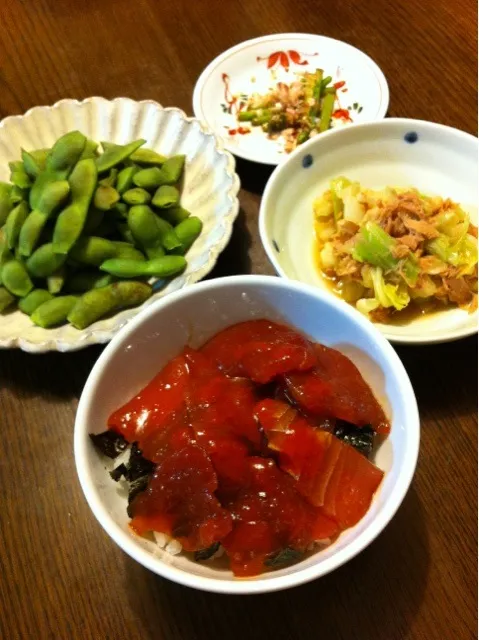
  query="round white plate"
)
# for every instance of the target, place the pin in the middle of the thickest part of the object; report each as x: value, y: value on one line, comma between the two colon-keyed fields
x: 436, y: 159
x: 256, y: 65
x: 210, y: 191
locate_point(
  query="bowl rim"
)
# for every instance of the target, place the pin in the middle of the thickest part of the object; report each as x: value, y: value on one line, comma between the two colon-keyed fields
x: 90, y: 336
x: 211, y: 66
x: 282, y: 169
x: 82, y: 446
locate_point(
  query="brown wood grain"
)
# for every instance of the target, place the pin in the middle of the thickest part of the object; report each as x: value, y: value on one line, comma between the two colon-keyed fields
x: 60, y: 575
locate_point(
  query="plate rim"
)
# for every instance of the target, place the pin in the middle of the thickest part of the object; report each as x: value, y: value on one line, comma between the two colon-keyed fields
x: 427, y: 339
x: 102, y: 336
x: 211, y: 66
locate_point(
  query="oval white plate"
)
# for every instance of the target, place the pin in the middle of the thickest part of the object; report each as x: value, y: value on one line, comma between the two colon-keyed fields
x: 210, y: 191
x: 436, y: 159
x: 256, y: 65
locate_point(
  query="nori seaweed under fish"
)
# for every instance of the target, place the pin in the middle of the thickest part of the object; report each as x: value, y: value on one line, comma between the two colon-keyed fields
x: 109, y: 443
x: 361, y: 438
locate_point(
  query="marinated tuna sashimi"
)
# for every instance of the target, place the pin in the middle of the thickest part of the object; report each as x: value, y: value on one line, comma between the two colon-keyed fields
x: 258, y: 442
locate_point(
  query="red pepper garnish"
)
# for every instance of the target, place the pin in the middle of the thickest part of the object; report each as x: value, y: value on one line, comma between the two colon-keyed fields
x: 296, y: 58
x: 342, y: 114
x: 339, y: 85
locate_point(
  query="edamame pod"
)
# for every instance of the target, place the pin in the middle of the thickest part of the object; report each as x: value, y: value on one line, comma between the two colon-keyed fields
x: 121, y: 211
x: 30, y: 165
x: 96, y: 303
x: 5, y: 202
x: 18, y: 175
x: 6, y: 299
x: 126, y: 251
x: 90, y: 149
x: 136, y: 196
x: 162, y: 267
x: 155, y: 252
x: 18, y: 195
x: 110, y: 179
x: 166, y: 196
x: 40, y: 157
x: 175, y: 215
x: 53, y: 312
x: 116, y: 154
x: 93, y: 250
x: 172, y: 169
x: 168, y: 236
x: 147, y: 156
x: 71, y: 220
x: 34, y: 299
x: 66, y: 152
x: 105, y: 197
x: 125, y: 232
x: 125, y: 179
x: 187, y: 232
x: 150, y: 178
x: 56, y: 281
x: 144, y: 227
x: 45, y: 261
x: 54, y: 194
x: 15, y: 220
x: 15, y: 278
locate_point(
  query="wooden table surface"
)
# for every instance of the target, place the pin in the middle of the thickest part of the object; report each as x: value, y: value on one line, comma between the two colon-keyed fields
x: 60, y: 575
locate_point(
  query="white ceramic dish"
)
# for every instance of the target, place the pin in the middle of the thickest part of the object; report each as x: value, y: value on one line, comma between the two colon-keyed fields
x: 210, y: 191
x: 193, y: 315
x: 256, y: 65
x: 434, y: 158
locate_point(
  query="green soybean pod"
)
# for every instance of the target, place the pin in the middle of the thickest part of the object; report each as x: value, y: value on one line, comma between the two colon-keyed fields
x: 5, y: 253
x: 34, y: 299
x: 143, y: 224
x: 30, y: 165
x: 116, y: 154
x: 44, y: 261
x: 148, y: 157
x: 90, y: 149
x: 96, y: 303
x: 172, y: 169
x: 53, y: 312
x: 18, y: 195
x: 40, y: 157
x: 175, y: 215
x: 6, y: 299
x: 54, y: 194
x: 187, y: 232
x: 166, y: 196
x: 85, y: 280
x: 168, y: 236
x: 136, y: 196
x: 15, y: 278
x: 124, y: 180
x: 5, y: 202
x: 110, y: 179
x: 165, y: 266
x: 66, y: 152
x: 18, y: 175
x: 71, y: 220
x: 15, y: 220
x: 127, y: 251
x: 105, y: 197
x: 56, y: 281
x: 122, y: 268
x: 150, y: 178
x: 155, y: 252
x: 93, y: 250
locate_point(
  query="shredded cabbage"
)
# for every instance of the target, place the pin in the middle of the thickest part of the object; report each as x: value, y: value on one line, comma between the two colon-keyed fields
x: 388, y: 295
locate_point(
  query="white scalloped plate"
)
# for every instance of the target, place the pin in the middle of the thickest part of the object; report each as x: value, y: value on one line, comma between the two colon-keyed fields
x: 210, y: 190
